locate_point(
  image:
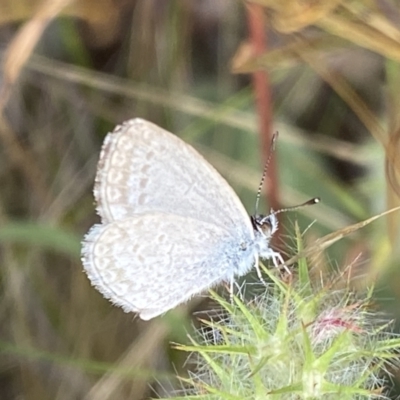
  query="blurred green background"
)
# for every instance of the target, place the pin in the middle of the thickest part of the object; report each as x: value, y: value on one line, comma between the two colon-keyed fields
x: 72, y: 70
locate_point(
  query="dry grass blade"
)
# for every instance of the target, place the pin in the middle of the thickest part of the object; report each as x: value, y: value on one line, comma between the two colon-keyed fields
x: 328, y: 240
x: 348, y: 94
x: 352, y: 21
x: 362, y: 35
x: 304, y: 50
x: 300, y: 15
x: 190, y: 105
x: 23, y: 44
x: 141, y: 354
x: 17, y: 54
x: 286, y: 56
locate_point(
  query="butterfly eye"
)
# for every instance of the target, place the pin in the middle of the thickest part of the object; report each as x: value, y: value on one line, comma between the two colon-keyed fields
x: 266, y: 225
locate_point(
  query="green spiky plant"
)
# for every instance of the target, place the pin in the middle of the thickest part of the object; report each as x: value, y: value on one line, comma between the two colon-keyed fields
x: 298, y: 339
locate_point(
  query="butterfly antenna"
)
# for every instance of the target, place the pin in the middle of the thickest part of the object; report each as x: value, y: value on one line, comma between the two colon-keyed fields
x: 264, y: 174
x: 310, y: 202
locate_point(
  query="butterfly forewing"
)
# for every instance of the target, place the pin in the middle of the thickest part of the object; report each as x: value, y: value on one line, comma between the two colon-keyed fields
x: 144, y: 168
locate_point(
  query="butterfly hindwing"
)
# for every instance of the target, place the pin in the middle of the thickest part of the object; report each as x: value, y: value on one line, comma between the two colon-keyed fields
x: 150, y: 263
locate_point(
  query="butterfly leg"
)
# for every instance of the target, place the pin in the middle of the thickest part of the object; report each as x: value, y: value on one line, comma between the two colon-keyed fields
x: 231, y: 290
x: 239, y: 291
x: 233, y: 283
x: 278, y: 261
x: 257, y: 265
